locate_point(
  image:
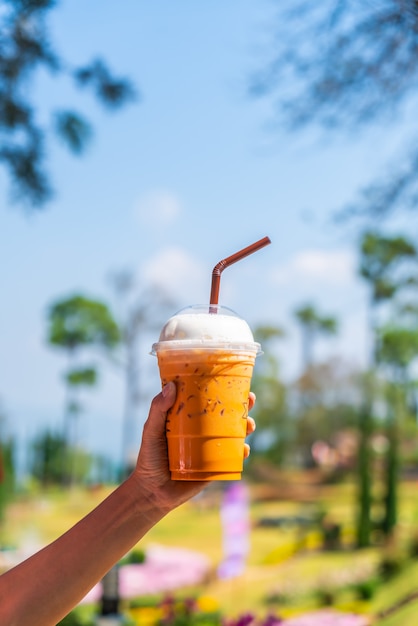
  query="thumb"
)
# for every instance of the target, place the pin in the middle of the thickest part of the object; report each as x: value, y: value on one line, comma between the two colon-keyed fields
x: 160, y: 405
x: 168, y: 394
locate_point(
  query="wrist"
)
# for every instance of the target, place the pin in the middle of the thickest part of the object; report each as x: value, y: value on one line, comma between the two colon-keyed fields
x: 147, y: 501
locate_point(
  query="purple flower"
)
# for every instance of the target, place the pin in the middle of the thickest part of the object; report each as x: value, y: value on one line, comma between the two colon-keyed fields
x: 190, y: 605
x: 272, y: 620
x: 242, y: 620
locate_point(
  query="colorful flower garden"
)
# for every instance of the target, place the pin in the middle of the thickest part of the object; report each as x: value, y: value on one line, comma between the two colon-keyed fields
x: 292, y: 573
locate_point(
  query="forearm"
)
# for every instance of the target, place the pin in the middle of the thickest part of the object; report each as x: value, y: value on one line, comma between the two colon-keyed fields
x: 45, y: 587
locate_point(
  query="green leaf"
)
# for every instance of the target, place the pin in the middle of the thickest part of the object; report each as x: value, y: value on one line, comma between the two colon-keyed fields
x: 85, y: 376
x: 79, y: 321
x: 112, y: 92
x: 73, y: 130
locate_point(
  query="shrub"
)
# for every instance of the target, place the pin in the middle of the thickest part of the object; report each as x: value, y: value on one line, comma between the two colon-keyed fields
x: 326, y: 597
x: 366, y: 589
x: 134, y: 557
x: 74, y: 619
x: 390, y: 566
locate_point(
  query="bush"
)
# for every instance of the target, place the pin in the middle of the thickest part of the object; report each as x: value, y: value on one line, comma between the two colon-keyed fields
x: 74, y: 619
x: 390, y: 566
x: 134, y: 557
x: 366, y: 589
x: 326, y: 597
x: 413, y: 547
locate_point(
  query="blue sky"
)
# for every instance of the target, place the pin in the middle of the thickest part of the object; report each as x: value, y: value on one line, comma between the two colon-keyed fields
x: 172, y: 184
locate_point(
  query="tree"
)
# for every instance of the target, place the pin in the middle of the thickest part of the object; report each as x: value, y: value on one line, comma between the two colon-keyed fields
x: 25, y: 49
x: 346, y: 64
x: 398, y: 349
x: 364, y: 474
x: 330, y: 393
x: 274, y: 431
x: 143, y: 311
x: 383, y: 261
x: 312, y: 325
x: 7, y: 467
x: 49, y: 453
x: 74, y: 324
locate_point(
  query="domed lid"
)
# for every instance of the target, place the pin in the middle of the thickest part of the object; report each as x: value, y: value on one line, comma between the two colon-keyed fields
x: 210, y: 326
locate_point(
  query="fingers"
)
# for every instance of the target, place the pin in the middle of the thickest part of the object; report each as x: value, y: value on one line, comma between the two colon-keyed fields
x: 246, y: 450
x: 165, y: 400
x: 250, y: 425
x: 251, y: 400
x: 168, y: 394
x: 160, y: 405
x: 250, y: 421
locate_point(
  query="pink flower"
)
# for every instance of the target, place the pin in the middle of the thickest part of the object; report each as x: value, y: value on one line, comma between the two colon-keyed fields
x: 165, y: 569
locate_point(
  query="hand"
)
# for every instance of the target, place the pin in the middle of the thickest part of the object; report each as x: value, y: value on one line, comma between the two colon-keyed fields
x: 152, y: 464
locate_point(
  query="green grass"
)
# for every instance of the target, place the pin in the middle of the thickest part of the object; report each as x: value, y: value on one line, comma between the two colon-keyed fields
x: 273, y: 580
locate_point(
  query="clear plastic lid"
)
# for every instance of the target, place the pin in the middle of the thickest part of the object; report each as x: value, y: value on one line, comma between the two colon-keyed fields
x: 209, y: 326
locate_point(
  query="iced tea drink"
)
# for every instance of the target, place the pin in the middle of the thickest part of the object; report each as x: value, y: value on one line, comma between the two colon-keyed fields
x: 210, y: 357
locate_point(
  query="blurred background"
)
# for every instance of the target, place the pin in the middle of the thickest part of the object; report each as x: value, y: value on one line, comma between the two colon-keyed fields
x: 142, y: 143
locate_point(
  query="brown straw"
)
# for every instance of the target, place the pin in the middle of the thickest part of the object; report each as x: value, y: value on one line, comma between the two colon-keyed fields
x: 219, y: 267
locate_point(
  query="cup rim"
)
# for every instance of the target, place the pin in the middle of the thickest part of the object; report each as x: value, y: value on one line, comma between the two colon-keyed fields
x: 201, y: 344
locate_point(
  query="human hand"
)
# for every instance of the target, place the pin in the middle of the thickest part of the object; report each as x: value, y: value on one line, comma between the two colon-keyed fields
x: 152, y: 464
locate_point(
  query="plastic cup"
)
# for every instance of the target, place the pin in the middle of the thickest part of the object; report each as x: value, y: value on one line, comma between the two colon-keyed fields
x: 210, y: 357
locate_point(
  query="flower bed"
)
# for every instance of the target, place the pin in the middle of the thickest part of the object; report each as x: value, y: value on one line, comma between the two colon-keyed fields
x: 328, y: 617
x: 165, y: 569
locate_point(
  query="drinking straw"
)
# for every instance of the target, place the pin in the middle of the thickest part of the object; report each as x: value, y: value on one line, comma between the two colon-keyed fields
x: 219, y: 267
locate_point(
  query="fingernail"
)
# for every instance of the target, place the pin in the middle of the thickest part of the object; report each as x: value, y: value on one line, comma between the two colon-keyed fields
x: 167, y: 389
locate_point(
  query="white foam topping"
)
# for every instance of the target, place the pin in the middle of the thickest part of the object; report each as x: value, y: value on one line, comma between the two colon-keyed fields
x: 207, y: 328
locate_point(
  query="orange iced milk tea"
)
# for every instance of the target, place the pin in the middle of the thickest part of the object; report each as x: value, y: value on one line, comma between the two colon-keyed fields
x: 210, y: 357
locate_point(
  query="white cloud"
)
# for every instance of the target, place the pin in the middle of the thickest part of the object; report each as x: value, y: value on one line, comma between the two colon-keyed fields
x: 158, y: 207
x: 333, y: 267
x: 178, y: 273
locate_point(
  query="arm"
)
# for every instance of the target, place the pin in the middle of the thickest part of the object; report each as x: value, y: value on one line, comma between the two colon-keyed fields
x: 43, y: 589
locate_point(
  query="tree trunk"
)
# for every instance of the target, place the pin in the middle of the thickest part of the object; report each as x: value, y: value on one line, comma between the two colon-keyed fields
x: 364, y: 526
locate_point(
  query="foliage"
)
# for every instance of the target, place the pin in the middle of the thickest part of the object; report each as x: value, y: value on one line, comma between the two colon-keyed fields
x: 51, y: 457
x: 47, y: 460
x: 188, y: 612
x: 388, y: 264
x: 274, y: 431
x: 26, y: 49
x: 291, y: 418
x: 390, y: 500
x: 75, y: 324
x: 84, y: 376
x: 380, y: 258
x: 76, y: 619
x: 346, y: 65
x: 391, y: 565
x: 7, y: 474
x: 79, y: 321
x: 325, y: 404
x: 377, y: 52
x: 134, y: 557
x: 271, y: 439
x: 398, y: 347
x: 312, y: 325
x: 366, y: 589
x: 143, y: 311
x: 364, y: 474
